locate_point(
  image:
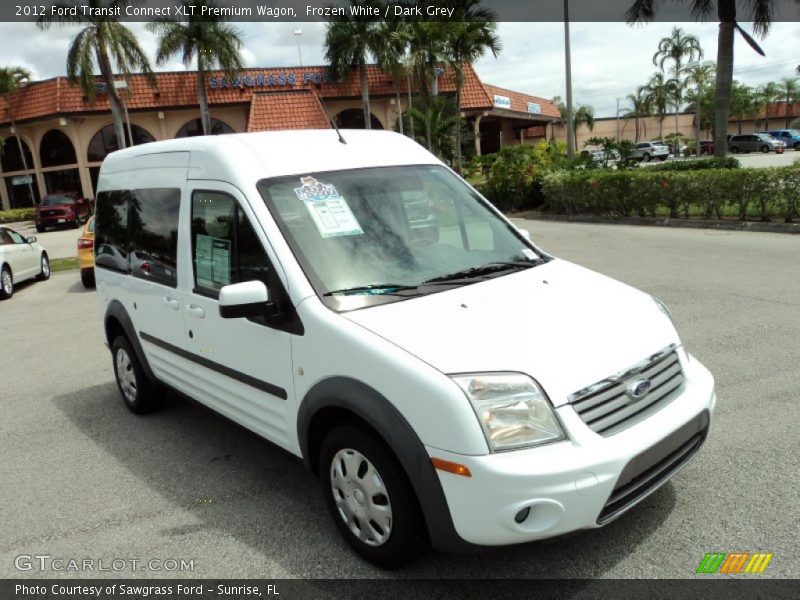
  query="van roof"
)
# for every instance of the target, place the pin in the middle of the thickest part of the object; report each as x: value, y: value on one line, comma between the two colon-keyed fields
x: 254, y: 156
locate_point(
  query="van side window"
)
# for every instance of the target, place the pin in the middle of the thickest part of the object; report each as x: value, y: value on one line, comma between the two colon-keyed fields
x: 153, y: 224
x: 111, y: 237
x: 225, y: 248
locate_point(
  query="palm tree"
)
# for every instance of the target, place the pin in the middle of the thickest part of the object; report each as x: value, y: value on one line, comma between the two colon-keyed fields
x: 562, y: 116
x: 100, y: 41
x: 658, y: 92
x: 640, y: 107
x: 760, y: 12
x: 790, y: 89
x: 349, y: 42
x: 11, y: 79
x: 743, y: 102
x: 472, y: 34
x: 677, y: 47
x: 699, y: 75
x: 437, y: 117
x: 213, y: 42
x: 768, y: 93
x: 584, y: 115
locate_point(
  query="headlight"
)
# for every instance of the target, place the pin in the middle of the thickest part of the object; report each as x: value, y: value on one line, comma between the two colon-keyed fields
x: 512, y: 410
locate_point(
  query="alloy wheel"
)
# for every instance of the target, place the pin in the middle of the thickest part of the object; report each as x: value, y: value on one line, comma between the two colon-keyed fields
x: 126, y: 375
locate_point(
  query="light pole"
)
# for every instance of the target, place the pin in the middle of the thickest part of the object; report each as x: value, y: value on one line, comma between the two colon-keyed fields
x: 568, y: 60
x: 297, y: 33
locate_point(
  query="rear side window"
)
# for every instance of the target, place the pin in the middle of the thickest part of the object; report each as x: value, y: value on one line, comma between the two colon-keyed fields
x: 136, y: 231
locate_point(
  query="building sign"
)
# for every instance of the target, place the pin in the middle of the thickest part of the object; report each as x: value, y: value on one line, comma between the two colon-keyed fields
x: 21, y: 180
x: 502, y: 102
x: 269, y: 80
x: 534, y: 108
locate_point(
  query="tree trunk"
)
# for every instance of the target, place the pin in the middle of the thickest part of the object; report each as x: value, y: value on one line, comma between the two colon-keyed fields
x: 410, y: 103
x: 697, y: 128
x: 116, y: 109
x: 740, y: 124
x: 787, y: 113
x: 722, y: 100
x: 362, y: 70
x: 661, y: 129
x: 205, y: 115
x: 458, y: 125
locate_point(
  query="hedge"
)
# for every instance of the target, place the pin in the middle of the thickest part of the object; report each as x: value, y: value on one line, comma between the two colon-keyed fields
x: 767, y: 193
x: 700, y: 164
x: 17, y: 214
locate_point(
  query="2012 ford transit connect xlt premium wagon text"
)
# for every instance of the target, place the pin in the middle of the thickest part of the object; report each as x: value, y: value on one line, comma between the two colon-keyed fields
x: 356, y: 303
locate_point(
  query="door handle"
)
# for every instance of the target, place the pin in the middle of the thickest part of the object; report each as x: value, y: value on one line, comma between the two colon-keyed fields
x: 171, y: 303
x: 196, y: 311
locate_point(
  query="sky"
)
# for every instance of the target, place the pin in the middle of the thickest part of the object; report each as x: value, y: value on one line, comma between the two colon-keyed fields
x: 609, y: 60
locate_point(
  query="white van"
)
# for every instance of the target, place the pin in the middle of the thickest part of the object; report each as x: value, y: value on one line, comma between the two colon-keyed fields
x: 358, y: 304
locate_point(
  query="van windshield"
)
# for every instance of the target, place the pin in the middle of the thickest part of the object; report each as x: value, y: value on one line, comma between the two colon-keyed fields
x: 376, y: 235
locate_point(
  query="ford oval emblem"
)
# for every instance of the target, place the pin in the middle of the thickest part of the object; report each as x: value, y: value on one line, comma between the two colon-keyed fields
x: 638, y: 388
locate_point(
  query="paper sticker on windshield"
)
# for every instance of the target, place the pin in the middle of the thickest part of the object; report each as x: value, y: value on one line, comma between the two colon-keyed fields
x: 329, y: 211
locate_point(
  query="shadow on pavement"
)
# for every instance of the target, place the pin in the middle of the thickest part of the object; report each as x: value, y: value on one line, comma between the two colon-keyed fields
x: 238, y: 485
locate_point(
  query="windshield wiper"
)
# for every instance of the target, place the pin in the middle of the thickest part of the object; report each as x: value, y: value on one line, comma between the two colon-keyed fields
x: 373, y: 288
x: 487, y: 269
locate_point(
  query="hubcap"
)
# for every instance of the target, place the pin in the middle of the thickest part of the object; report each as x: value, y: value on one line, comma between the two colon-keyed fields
x: 45, y: 267
x: 361, y: 497
x: 8, y: 285
x: 125, y: 375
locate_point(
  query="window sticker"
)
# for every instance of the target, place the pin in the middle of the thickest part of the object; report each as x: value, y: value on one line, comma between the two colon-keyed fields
x: 529, y: 254
x: 213, y: 258
x: 329, y: 211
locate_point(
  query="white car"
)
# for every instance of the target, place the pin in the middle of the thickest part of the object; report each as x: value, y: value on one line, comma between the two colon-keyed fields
x: 462, y: 386
x: 21, y: 258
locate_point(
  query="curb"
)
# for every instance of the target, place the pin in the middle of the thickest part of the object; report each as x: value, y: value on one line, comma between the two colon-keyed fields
x: 757, y: 226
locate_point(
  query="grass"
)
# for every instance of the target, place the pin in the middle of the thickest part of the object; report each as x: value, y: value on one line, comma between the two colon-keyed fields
x: 63, y: 264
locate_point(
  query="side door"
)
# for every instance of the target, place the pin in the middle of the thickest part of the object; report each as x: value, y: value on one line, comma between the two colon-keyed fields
x: 243, y: 367
x: 26, y: 257
x: 153, y: 292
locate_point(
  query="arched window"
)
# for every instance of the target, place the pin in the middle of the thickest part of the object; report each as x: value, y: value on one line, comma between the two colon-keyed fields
x: 11, y: 159
x: 105, y: 141
x: 353, y: 118
x: 56, y: 149
x: 195, y: 127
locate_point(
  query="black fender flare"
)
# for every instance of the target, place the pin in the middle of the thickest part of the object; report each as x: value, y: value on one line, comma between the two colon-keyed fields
x: 380, y: 414
x: 116, y: 310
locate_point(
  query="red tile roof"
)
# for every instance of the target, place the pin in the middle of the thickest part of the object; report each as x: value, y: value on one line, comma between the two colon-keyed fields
x: 300, y: 109
x: 519, y: 102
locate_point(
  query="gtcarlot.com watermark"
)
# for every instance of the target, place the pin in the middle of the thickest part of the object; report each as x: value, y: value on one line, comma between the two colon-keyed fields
x: 47, y: 563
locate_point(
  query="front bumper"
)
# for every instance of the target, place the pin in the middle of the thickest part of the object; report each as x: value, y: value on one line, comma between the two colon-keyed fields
x: 573, y: 485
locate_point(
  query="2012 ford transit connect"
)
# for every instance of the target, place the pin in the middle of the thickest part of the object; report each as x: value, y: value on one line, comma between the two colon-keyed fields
x: 358, y: 304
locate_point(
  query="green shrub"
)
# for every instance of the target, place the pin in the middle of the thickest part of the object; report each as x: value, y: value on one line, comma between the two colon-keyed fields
x: 763, y: 193
x: 700, y: 164
x: 17, y: 214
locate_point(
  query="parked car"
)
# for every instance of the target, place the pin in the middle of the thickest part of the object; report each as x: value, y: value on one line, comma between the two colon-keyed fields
x: 647, y: 151
x: 464, y: 389
x: 601, y: 156
x: 790, y: 137
x: 707, y: 147
x: 21, y: 258
x: 86, y: 254
x: 754, y: 142
x: 62, y: 209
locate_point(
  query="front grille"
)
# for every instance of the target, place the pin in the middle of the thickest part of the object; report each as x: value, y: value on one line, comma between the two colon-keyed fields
x: 652, y: 468
x: 608, y: 408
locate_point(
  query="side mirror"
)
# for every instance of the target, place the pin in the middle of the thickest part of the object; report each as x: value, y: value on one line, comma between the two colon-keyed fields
x: 30, y: 239
x: 243, y: 300
x: 524, y: 233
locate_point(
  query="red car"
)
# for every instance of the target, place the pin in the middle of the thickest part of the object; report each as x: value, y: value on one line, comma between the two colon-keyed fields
x: 67, y: 208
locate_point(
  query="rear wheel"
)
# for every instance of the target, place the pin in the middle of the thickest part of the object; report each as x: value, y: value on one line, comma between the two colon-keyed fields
x: 662, y: 158
x: 369, y: 497
x: 797, y: 146
x: 139, y: 394
x: 6, y: 284
x: 646, y: 157
x: 44, y: 273
x: 87, y: 278
x: 77, y: 222
x: 735, y: 149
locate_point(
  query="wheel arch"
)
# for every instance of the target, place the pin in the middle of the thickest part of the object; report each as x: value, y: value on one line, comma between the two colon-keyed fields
x: 117, y: 321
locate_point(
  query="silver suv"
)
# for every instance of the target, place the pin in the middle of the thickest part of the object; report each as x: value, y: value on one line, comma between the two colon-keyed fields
x: 754, y: 142
x: 647, y: 151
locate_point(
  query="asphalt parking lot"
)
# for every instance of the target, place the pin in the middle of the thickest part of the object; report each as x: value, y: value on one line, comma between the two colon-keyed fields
x: 83, y: 477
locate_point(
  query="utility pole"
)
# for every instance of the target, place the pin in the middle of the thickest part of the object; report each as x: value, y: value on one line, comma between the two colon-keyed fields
x: 617, y: 119
x: 568, y: 59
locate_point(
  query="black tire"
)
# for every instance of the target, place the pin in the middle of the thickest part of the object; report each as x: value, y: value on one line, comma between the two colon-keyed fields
x: 76, y: 223
x: 765, y: 149
x: 87, y: 278
x: 735, y: 149
x: 41, y: 228
x: 406, y: 525
x: 797, y: 146
x: 662, y: 158
x: 140, y: 395
x: 6, y: 283
x: 646, y: 157
x: 44, y: 263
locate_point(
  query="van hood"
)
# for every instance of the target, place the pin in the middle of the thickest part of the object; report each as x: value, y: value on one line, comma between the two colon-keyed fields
x: 566, y: 326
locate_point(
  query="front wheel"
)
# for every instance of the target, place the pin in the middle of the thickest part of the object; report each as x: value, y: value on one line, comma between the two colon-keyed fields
x: 44, y: 273
x: 6, y: 284
x: 646, y: 157
x: 41, y: 228
x: 139, y: 394
x: 765, y: 149
x: 662, y: 158
x: 735, y: 149
x: 370, y: 498
x: 797, y: 146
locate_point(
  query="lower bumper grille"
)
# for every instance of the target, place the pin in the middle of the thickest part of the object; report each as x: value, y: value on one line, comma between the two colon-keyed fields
x: 652, y: 468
